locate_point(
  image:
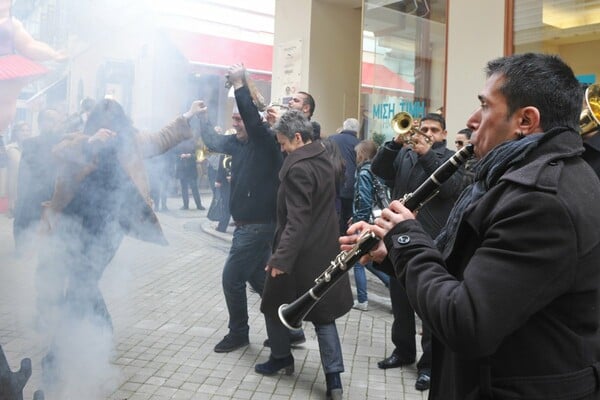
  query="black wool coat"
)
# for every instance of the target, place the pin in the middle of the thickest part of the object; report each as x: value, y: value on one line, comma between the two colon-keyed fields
x: 514, y: 307
x: 306, y: 240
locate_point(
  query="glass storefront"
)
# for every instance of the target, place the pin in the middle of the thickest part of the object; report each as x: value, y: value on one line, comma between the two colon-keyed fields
x: 403, y: 62
x: 569, y: 28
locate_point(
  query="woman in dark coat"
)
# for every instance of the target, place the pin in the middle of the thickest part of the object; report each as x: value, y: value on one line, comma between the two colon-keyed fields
x: 305, y: 243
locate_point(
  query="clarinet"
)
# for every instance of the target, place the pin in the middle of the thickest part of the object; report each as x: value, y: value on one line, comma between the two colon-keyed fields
x: 292, y: 315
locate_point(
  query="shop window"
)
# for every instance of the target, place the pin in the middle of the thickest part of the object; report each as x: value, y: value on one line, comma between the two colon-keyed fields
x: 403, y: 58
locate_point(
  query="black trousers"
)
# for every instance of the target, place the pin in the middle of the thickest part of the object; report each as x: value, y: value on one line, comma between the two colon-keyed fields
x: 193, y: 184
x: 403, y: 329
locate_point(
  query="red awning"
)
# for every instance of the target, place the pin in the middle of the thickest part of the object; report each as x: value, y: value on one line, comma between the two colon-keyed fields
x: 14, y: 66
x: 379, y: 77
x: 218, y: 52
x: 212, y: 52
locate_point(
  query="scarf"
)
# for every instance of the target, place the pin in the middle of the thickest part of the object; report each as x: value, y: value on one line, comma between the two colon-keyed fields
x: 488, y: 172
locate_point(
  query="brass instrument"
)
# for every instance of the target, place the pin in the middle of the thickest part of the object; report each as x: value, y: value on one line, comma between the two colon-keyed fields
x: 403, y: 126
x: 227, y: 162
x: 589, y: 120
x: 227, y: 165
x: 257, y: 97
x: 292, y: 315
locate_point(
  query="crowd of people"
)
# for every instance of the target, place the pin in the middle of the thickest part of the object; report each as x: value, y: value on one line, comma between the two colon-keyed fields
x: 499, y: 265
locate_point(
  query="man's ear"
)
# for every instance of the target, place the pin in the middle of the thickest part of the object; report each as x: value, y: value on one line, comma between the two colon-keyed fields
x: 529, y: 120
x: 298, y: 137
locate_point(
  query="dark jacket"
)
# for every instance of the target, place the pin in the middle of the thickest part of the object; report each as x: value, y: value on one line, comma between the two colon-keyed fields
x: 37, y: 171
x: 254, y: 166
x: 347, y: 141
x: 306, y: 236
x: 364, y: 197
x: 407, y: 170
x: 186, y: 168
x: 592, y: 152
x: 514, y: 307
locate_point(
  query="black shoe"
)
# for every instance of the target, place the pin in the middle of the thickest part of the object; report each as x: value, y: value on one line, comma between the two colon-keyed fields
x: 201, y: 208
x: 334, y: 386
x: 231, y: 343
x: 393, y: 361
x: 295, y: 341
x: 274, y: 365
x: 422, y: 382
x: 184, y: 208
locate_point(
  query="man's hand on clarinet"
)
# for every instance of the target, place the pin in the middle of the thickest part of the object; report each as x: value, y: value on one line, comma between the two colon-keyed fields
x: 377, y: 254
x: 393, y: 215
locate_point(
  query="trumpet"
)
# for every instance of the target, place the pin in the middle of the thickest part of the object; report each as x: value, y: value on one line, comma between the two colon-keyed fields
x: 589, y: 120
x: 403, y: 126
x: 257, y: 97
x: 292, y: 315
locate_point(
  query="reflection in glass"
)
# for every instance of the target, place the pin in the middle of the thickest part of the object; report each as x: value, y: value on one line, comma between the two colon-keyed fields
x: 403, y: 62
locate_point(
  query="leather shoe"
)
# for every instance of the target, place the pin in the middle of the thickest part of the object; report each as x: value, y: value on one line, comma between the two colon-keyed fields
x: 274, y: 365
x: 231, y: 343
x: 393, y: 361
x: 422, y: 382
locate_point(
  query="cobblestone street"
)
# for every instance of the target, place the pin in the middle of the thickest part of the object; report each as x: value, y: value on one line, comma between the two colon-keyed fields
x: 168, y: 313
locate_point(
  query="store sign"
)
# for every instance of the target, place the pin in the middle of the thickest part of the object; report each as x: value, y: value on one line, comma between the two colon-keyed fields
x: 587, y: 79
x: 386, y: 111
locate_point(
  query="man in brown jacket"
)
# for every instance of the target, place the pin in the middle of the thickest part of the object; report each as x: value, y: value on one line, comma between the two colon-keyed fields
x: 101, y: 194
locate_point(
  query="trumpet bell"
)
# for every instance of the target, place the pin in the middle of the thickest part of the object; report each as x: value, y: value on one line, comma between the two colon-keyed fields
x: 589, y: 120
x: 402, y: 123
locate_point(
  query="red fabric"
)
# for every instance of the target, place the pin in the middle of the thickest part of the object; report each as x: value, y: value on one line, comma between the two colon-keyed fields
x: 218, y: 52
x: 379, y: 77
x: 14, y: 66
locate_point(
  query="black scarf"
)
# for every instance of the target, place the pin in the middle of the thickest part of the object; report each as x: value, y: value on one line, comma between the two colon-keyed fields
x: 488, y: 171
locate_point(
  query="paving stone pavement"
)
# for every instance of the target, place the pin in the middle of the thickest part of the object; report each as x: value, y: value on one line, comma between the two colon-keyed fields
x: 168, y: 312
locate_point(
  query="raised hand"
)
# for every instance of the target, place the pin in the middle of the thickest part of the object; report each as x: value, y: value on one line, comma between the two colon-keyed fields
x: 12, y: 383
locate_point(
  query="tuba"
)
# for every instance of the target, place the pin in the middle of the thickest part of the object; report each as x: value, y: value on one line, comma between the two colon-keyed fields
x: 589, y: 120
x: 257, y: 97
x: 403, y: 126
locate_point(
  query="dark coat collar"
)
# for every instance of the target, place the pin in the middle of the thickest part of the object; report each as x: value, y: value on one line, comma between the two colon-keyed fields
x: 310, y: 150
x: 556, y: 145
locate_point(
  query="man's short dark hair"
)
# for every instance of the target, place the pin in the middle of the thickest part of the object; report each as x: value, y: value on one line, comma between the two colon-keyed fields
x: 435, y: 117
x: 87, y: 104
x: 294, y: 121
x: 543, y: 81
x: 311, y: 103
x: 467, y: 132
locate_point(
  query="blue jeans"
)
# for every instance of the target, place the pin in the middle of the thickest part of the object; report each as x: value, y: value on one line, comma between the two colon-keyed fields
x: 248, y: 256
x: 360, y: 279
x: 330, y: 348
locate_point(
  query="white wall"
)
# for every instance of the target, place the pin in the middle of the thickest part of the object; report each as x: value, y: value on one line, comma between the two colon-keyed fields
x: 475, y: 36
x: 330, y: 63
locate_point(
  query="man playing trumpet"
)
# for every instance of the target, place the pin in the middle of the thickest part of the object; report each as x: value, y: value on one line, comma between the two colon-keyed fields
x: 408, y: 160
